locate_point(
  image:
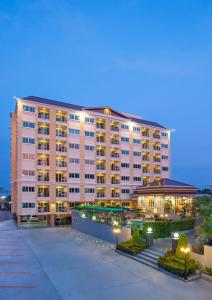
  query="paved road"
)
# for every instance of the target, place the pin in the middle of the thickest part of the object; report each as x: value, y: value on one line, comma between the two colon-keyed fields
x: 58, y: 263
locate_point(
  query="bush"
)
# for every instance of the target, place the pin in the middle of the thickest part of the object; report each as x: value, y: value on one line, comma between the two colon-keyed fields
x: 176, y: 265
x: 207, y: 271
x: 162, y: 229
x: 130, y: 248
x: 182, y: 243
x: 136, y: 238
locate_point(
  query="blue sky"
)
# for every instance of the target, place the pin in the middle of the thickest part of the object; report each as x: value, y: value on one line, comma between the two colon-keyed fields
x: 151, y: 58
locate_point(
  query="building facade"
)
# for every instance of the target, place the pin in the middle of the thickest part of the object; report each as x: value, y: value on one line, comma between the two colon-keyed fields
x: 64, y: 154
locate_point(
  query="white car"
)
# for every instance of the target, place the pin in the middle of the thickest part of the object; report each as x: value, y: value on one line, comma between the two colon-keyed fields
x: 33, y: 219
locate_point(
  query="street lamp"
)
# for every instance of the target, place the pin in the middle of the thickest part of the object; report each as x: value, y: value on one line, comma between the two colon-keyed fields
x: 116, y: 231
x: 185, y: 250
x: 175, y: 240
x: 150, y: 236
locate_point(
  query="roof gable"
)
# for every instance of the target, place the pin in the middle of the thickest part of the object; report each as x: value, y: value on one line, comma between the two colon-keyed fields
x: 107, y: 111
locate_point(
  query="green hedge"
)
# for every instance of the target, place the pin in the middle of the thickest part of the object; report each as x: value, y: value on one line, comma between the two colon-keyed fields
x: 130, y: 248
x: 176, y: 265
x: 162, y: 229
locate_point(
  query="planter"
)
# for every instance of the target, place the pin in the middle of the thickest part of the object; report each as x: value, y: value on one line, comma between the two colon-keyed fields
x: 206, y: 277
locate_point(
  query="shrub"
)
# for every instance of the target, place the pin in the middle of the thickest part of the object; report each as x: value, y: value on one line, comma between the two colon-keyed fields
x: 182, y: 243
x: 207, y: 271
x: 130, y: 248
x: 136, y: 238
x: 163, y: 229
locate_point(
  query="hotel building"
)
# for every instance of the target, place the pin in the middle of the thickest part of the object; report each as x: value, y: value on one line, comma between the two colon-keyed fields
x: 64, y: 154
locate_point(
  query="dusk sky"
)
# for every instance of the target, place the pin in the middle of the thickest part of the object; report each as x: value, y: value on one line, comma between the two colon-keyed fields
x: 152, y: 58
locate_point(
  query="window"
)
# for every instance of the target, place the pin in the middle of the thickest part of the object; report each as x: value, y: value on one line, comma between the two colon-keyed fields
x: 125, y: 178
x: 74, y: 131
x: 28, y: 156
x: 74, y: 146
x: 28, y: 205
x: 89, y: 120
x: 165, y: 168
x: 89, y: 162
x: 165, y: 146
x: 136, y: 153
x: 74, y: 175
x: 28, y: 124
x: 136, y: 141
x: 89, y: 176
x: 89, y: 147
x: 125, y: 152
x: 74, y: 160
x: 27, y: 140
x: 74, y: 190
x: 125, y: 191
x: 137, y: 166
x: 165, y: 157
x: 29, y: 189
x: 89, y: 191
x: 125, y: 165
x: 165, y: 134
x: 28, y: 108
x: 124, y: 126
x: 136, y: 129
x: 89, y: 133
x: 136, y: 178
x: 28, y: 173
x: 74, y: 117
x: 124, y: 139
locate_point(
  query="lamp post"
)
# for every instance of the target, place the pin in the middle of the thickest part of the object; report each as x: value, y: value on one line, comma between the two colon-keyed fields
x: 116, y: 231
x: 150, y: 236
x: 175, y: 240
x: 185, y: 251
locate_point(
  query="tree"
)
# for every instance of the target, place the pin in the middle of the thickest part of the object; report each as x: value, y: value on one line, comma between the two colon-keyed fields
x: 136, y: 239
x: 182, y: 243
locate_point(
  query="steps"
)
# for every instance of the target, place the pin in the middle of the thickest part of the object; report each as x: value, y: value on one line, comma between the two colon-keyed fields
x: 149, y: 257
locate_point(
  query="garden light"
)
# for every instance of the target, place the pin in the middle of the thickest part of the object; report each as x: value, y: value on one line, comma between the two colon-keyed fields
x: 94, y: 218
x: 83, y: 216
x: 149, y: 230
x: 176, y: 235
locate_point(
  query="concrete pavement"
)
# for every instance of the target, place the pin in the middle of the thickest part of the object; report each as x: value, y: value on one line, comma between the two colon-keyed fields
x: 59, y: 263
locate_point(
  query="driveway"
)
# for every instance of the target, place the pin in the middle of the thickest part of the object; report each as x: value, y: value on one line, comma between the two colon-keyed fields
x: 60, y: 263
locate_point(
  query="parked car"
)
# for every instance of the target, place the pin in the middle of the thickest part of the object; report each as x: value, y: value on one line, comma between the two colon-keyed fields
x: 33, y: 219
x: 24, y: 219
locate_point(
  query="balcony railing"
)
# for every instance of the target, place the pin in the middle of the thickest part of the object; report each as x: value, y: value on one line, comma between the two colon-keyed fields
x: 100, y: 181
x: 145, y: 134
x: 61, y: 148
x: 145, y: 146
x: 100, y: 139
x: 114, y: 154
x: 43, y: 193
x: 100, y: 195
x: 100, y: 153
x: 42, y: 162
x: 156, y: 148
x: 145, y: 170
x: 114, y: 142
x: 42, y: 115
x: 43, y: 177
x: 156, y: 171
x: 115, y: 195
x: 61, y: 179
x: 61, y: 194
x: 61, y: 134
x: 156, y: 159
x: 42, y: 130
x: 115, y: 181
x: 61, y: 209
x: 114, y: 128
x: 60, y: 163
x: 156, y: 136
x: 115, y: 168
x: 100, y: 125
x: 61, y: 119
x: 100, y: 167
x: 43, y: 146
x: 145, y: 158
x: 43, y: 209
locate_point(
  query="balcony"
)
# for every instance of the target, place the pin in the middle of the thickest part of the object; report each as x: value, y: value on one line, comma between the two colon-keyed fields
x: 115, y: 168
x: 61, y: 194
x: 43, y: 115
x: 43, y: 130
x: 100, y: 125
x: 43, y: 194
x: 146, y: 158
x: 146, y: 170
x: 43, y: 177
x: 115, y: 195
x: 157, y: 148
x: 60, y: 133
x: 145, y: 146
x: 100, y: 153
x: 43, y: 208
x: 100, y: 139
x: 43, y: 162
x: 61, y: 148
x: 61, y: 163
x: 145, y: 134
x: 61, y: 209
x: 114, y: 128
x: 100, y: 195
x: 100, y: 167
x: 61, y: 118
x: 156, y: 171
x: 114, y: 142
x: 156, y: 136
x: 114, y: 154
x: 156, y: 159
x: 100, y: 180
x: 61, y: 179
x: 43, y: 146
x: 115, y: 181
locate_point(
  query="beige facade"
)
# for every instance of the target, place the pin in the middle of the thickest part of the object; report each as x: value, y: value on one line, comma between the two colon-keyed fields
x: 63, y: 154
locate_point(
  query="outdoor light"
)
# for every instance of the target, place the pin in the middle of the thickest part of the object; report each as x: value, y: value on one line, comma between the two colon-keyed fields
x: 176, y: 235
x: 186, y: 251
x: 94, y: 218
x: 116, y: 230
x: 3, y: 197
x: 149, y: 230
x: 161, y: 215
x: 83, y: 216
x: 166, y: 215
x: 115, y: 223
x: 155, y: 210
